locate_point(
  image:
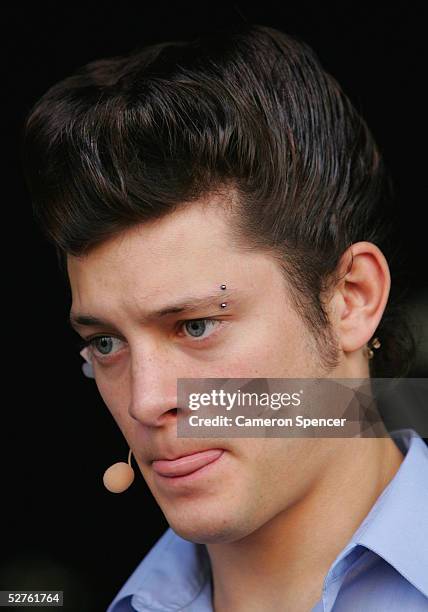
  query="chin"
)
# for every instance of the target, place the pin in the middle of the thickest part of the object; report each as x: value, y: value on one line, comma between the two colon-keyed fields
x: 206, y: 529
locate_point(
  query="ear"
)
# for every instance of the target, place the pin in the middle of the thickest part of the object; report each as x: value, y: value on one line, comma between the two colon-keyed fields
x: 360, y: 296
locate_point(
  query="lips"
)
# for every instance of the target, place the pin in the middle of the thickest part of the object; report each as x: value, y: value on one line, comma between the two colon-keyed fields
x: 187, y: 464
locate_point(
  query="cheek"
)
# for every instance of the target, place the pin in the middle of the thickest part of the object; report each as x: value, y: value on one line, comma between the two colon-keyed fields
x: 115, y: 397
x: 278, y: 463
x: 273, y: 348
x: 261, y: 484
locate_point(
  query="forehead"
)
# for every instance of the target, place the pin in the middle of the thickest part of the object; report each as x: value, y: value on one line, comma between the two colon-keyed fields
x: 192, y: 246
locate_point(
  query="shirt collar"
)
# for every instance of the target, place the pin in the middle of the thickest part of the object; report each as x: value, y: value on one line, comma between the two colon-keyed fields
x: 176, y: 573
x: 396, y: 528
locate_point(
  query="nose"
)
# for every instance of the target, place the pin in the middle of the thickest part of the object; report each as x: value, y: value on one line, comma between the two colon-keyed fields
x: 153, y: 393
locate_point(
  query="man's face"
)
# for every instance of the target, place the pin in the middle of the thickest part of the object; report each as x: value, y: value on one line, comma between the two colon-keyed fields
x: 137, y: 364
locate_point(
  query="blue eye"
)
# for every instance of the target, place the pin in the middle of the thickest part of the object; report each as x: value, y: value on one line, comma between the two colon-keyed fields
x: 104, y: 345
x: 197, y: 327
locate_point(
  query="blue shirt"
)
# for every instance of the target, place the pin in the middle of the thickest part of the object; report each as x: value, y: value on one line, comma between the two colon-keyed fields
x: 383, y: 567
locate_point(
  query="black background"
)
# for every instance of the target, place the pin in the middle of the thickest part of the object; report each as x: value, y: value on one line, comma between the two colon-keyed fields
x: 61, y: 528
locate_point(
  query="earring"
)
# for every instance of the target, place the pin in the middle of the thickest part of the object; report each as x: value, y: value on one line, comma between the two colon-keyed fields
x: 373, y: 344
x: 119, y: 476
x: 376, y: 343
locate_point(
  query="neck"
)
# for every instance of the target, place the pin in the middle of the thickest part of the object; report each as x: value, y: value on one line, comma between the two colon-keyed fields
x: 282, y: 565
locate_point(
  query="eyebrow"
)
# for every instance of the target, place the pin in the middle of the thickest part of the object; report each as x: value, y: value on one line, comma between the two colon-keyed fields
x: 187, y: 304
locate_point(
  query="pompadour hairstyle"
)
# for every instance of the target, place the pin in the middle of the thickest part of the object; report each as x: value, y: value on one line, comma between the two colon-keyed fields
x: 247, y: 112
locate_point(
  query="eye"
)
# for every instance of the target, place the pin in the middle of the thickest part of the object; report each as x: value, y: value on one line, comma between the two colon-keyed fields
x: 104, y: 346
x: 197, y: 327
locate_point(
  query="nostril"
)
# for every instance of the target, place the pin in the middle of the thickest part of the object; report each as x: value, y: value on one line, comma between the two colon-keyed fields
x: 168, y: 416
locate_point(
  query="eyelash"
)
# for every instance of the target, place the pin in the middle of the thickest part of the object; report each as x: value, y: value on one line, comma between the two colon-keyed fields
x: 88, y: 342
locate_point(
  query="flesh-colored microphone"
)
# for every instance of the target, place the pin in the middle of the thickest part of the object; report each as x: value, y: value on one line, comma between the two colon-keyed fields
x: 119, y: 476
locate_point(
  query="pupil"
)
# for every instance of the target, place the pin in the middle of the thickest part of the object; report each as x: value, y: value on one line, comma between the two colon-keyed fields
x: 196, y: 326
x: 104, y: 345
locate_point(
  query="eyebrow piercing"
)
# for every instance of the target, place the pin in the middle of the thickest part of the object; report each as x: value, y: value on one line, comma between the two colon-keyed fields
x: 223, y: 304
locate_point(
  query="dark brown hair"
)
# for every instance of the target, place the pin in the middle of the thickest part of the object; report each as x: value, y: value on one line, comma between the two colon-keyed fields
x: 248, y: 112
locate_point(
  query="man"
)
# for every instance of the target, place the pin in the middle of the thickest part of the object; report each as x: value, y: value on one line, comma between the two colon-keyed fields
x: 235, y: 166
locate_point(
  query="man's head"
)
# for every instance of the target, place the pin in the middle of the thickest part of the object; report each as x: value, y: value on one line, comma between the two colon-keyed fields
x: 127, y: 281
x: 233, y: 159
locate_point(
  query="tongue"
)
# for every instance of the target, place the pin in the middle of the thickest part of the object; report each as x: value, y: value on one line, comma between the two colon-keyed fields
x: 186, y: 465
